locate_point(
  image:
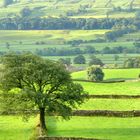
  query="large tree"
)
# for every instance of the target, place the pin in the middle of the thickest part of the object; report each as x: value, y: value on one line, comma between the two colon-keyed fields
x: 32, y: 82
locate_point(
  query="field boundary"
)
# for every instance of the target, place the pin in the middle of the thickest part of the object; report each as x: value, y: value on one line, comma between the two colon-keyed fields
x: 107, y: 113
x: 114, y: 96
x: 106, y: 81
x: 90, y: 113
x: 65, y: 138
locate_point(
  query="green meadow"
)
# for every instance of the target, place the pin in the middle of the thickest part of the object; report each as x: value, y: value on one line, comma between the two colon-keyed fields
x: 13, y: 127
x: 111, y: 74
x: 26, y: 40
x: 32, y: 40
x: 111, y: 104
x: 91, y: 127
x: 124, y: 88
x: 55, y: 8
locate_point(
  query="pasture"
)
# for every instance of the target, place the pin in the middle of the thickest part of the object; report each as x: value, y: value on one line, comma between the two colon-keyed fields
x: 27, y: 40
x: 111, y: 74
x: 12, y: 127
x: 113, y: 128
x: 124, y: 88
x: 18, y: 41
x: 95, y: 9
x: 91, y: 127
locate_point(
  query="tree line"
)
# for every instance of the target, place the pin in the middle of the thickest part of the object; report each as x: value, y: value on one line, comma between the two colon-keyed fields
x: 86, y: 50
x: 28, y: 23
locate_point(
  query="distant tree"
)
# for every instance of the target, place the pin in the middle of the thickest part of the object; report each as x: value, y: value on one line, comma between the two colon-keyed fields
x: 7, y: 2
x: 7, y: 45
x: 116, y: 57
x: 137, y: 44
x: 66, y: 61
x: 25, y: 12
x: 138, y: 15
x: 95, y: 74
x: 90, y: 50
x: 30, y: 82
x: 80, y: 59
x: 132, y: 63
x: 95, y: 61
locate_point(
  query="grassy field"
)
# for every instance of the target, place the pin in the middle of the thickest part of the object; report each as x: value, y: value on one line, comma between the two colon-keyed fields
x: 111, y: 104
x: 55, y: 8
x: 94, y: 127
x: 12, y: 127
x: 27, y: 41
x: 125, y: 88
x: 97, y: 127
x: 111, y: 74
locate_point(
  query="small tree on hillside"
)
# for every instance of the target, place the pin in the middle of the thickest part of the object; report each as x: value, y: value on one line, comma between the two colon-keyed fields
x: 95, y: 61
x: 95, y: 74
x: 80, y: 59
x: 25, y: 12
x: 31, y: 82
x: 116, y: 57
x: 66, y: 61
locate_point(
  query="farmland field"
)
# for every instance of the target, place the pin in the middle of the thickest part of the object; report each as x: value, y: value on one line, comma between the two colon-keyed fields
x: 26, y: 40
x: 19, y: 41
x: 96, y: 9
x: 111, y: 74
x: 94, y: 127
x: 65, y: 30
x: 90, y: 127
x: 12, y: 127
x: 124, y: 88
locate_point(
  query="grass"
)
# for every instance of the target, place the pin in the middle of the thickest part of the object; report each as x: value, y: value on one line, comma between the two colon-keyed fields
x: 111, y: 104
x: 125, y: 88
x: 26, y: 41
x: 55, y: 8
x: 12, y: 127
x: 96, y: 127
x: 111, y: 74
x: 93, y: 127
x: 31, y: 35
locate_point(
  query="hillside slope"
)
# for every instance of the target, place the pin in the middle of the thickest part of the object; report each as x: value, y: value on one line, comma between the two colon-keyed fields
x: 73, y: 8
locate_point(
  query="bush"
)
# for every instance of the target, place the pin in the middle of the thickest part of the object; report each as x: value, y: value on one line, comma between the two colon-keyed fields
x: 95, y: 61
x: 132, y: 63
x: 80, y: 59
x: 95, y: 74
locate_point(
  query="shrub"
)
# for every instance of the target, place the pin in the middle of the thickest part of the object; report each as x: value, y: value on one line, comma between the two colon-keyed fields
x: 95, y: 61
x: 95, y: 73
x: 80, y: 59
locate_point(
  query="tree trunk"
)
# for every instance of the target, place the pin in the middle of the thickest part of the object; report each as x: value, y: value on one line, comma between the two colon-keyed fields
x: 42, y: 121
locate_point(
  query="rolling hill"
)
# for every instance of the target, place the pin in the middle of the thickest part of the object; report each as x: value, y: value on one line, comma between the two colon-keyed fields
x: 73, y: 8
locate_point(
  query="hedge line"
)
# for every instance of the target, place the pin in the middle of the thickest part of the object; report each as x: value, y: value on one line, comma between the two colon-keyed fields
x: 104, y: 113
x: 107, y: 113
x: 114, y: 96
x: 106, y: 81
x: 65, y: 138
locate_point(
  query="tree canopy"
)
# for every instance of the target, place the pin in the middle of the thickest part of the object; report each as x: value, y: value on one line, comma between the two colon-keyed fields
x: 95, y: 74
